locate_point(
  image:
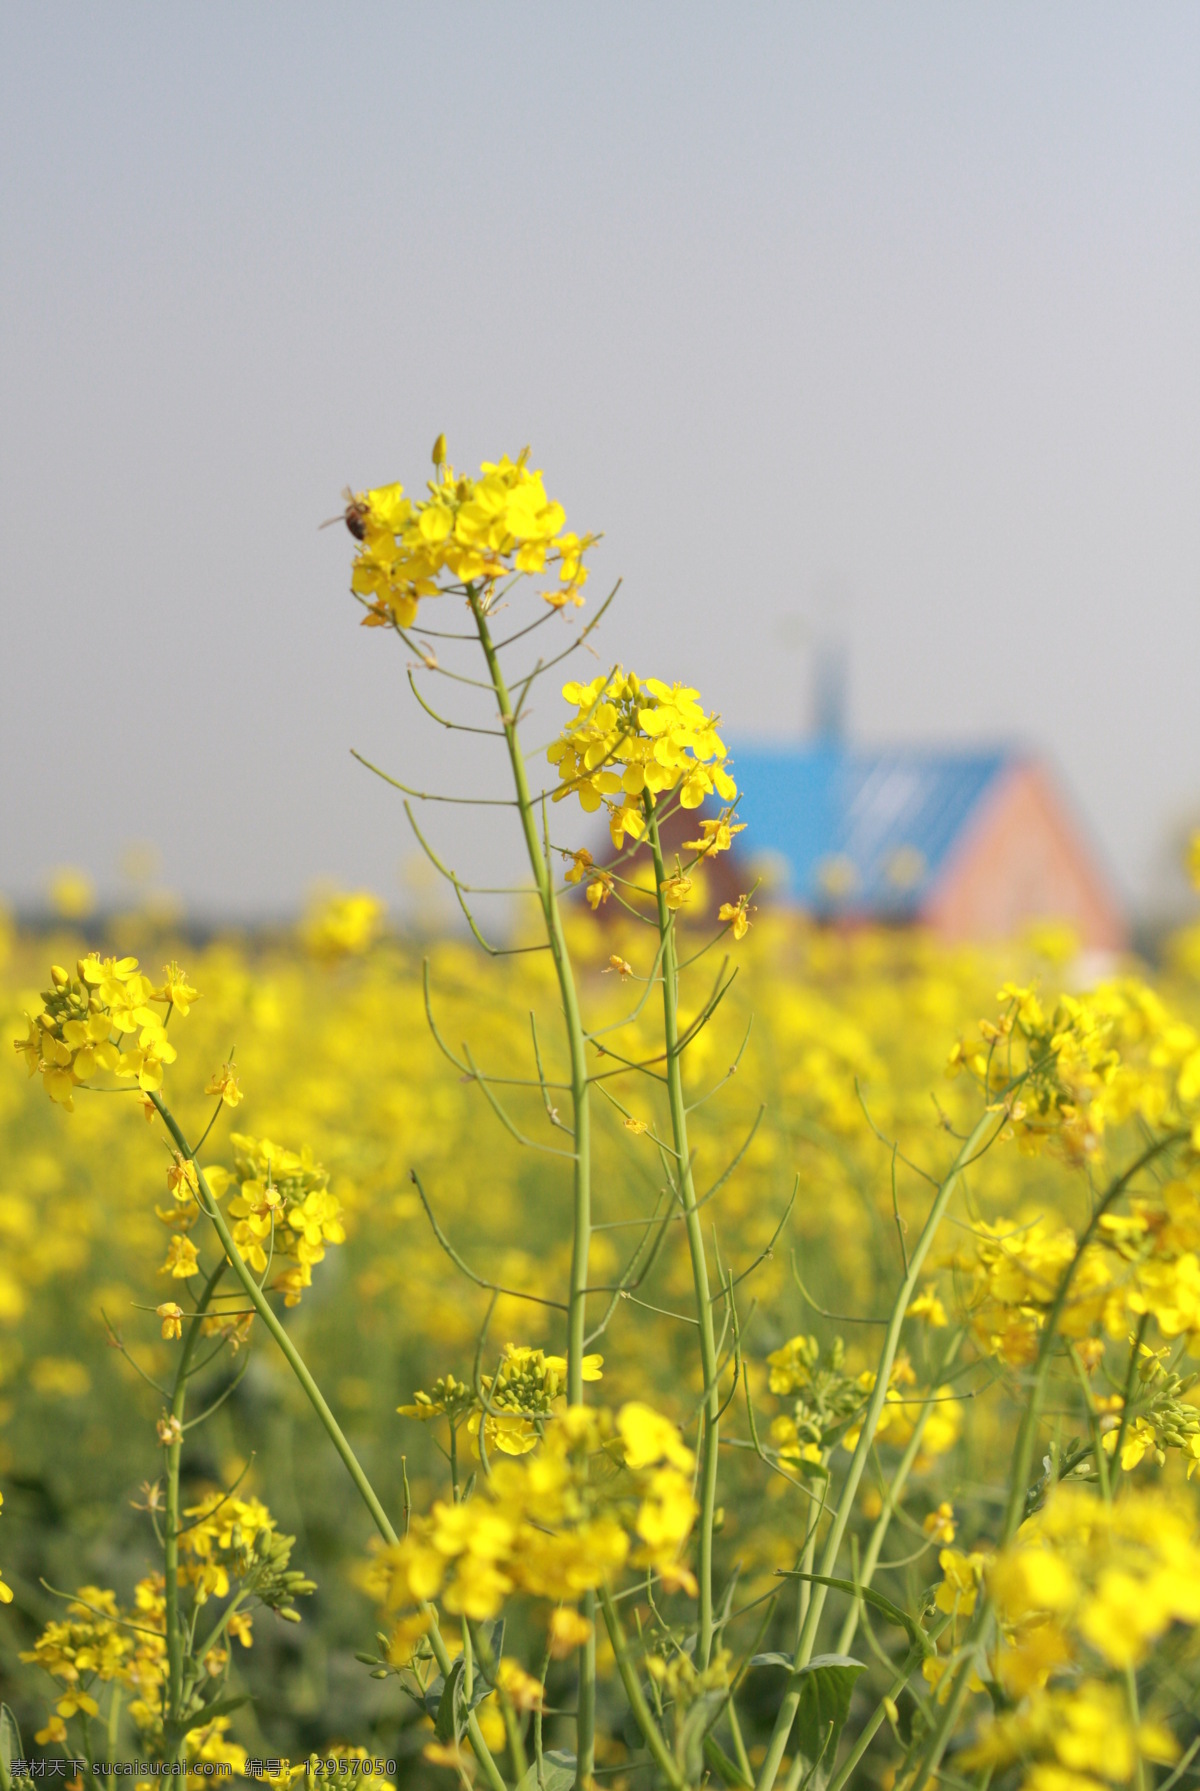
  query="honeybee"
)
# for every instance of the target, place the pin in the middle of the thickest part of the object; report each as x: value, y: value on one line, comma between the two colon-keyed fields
x: 354, y: 515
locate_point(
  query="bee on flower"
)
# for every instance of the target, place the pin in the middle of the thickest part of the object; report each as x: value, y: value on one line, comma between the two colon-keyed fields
x: 466, y: 531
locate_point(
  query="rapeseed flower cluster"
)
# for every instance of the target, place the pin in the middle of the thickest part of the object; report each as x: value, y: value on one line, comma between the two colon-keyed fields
x: 232, y: 1551
x: 634, y: 739
x: 104, y: 1018
x: 96, y: 1643
x: 594, y: 1492
x: 1086, y: 1064
x: 341, y: 926
x: 232, y: 1541
x: 1143, y: 1262
x: 832, y: 1400
x: 467, y: 531
x: 1088, y: 1589
x: 282, y: 1209
x: 511, y: 1405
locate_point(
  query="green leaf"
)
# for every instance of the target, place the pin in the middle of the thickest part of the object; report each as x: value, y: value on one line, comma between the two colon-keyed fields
x: 558, y: 1773
x: 447, y: 1724
x: 689, y: 1745
x: 491, y: 1632
x: 727, y: 1770
x: 771, y: 1660
x: 877, y: 1602
x: 431, y: 1697
x: 826, y: 1687
x: 10, y: 1746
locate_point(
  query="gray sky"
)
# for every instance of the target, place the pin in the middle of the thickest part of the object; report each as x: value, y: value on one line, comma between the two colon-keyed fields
x: 873, y: 315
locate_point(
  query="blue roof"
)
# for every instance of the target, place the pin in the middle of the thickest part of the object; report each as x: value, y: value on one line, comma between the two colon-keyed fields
x: 858, y: 830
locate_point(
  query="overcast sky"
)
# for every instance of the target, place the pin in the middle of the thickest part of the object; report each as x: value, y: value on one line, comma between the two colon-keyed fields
x: 873, y: 318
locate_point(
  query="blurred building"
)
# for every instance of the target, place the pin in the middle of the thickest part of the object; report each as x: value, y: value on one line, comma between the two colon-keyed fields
x: 973, y: 845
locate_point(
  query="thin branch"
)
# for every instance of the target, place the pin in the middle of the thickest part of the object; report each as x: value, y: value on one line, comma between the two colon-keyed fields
x: 769, y: 1251
x: 465, y: 1269
x: 212, y: 1122
x: 122, y: 1622
x: 118, y: 1343
x: 626, y: 1114
x: 458, y: 727
x: 730, y: 1073
x: 891, y: 1142
x: 900, y: 1225
x: 468, y: 1074
x: 432, y: 796
x: 493, y: 951
x: 840, y: 1318
x: 219, y: 1401
x: 651, y: 983
x: 583, y: 633
x: 726, y: 1173
x: 683, y: 1317
x: 626, y: 1283
x: 453, y: 877
x: 627, y: 1064
x: 549, y: 1150
x: 444, y: 671
x: 223, y: 1500
x: 551, y: 1110
x: 623, y: 1287
x: 539, y: 622
x: 706, y: 1013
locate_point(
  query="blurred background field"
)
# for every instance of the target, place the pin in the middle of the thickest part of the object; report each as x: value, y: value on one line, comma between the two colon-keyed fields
x: 334, y: 1051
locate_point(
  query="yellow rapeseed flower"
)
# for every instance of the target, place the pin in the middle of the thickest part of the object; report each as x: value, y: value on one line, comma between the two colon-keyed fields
x: 631, y: 739
x: 172, y: 1319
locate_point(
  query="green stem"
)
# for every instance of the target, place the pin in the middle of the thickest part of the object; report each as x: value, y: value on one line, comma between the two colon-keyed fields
x: 171, y: 1514
x: 219, y: 1627
x: 651, y: 1733
x: 576, y: 1319
x: 114, y: 1719
x: 1135, y: 1723
x: 867, y: 1733
x: 581, y: 1125
x: 1135, y: 1352
x: 980, y: 1139
x: 883, y: 1522
x: 974, y: 1642
x: 695, y: 1238
x: 333, y: 1429
x: 512, y: 1728
x: 804, y: 1594
x: 1027, y: 1434
x: 1018, y: 1491
x: 739, y: 1744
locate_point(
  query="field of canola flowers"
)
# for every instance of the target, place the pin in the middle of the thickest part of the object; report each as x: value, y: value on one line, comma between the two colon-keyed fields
x: 706, y: 1349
